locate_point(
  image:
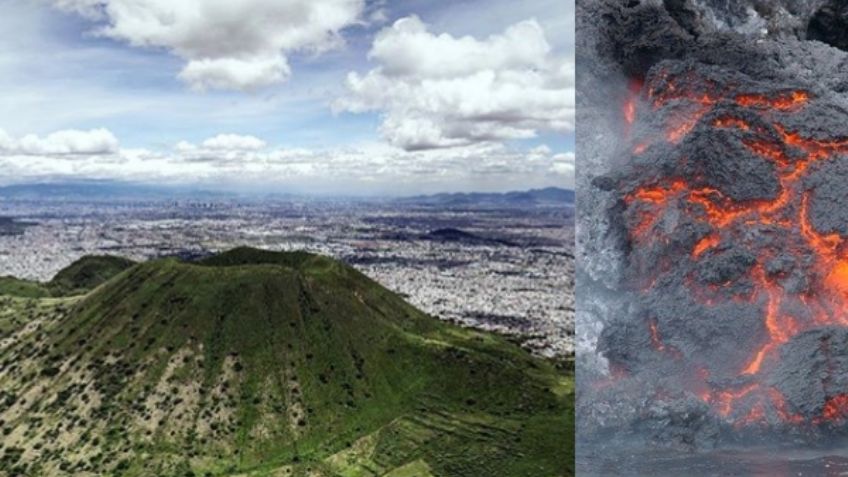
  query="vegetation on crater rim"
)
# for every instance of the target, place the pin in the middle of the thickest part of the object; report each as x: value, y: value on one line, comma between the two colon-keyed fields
x: 257, y: 363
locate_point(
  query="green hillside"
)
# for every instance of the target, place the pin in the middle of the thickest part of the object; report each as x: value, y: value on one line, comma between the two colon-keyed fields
x: 87, y: 274
x: 23, y: 288
x: 264, y: 364
x: 78, y: 278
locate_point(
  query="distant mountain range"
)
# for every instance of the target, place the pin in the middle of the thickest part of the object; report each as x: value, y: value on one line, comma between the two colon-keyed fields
x: 550, y: 195
x: 103, y: 190
x: 260, y: 364
x: 110, y: 190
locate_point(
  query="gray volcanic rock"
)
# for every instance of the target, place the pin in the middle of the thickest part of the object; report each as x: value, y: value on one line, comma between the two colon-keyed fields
x: 828, y: 212
x: 811, y: 370
x: 713, y: 192
x: 829, y: 24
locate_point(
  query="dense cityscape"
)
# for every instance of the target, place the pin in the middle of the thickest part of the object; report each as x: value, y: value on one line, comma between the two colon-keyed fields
x: 506, y: 268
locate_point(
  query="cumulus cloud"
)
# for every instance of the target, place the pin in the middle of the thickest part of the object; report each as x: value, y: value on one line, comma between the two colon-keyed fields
x: 438, y: 91
x: 234, y: 73
x: 66, y: 142
x: 241, y: 45
x: 234, y: 142
x: 563, y: 164
x: 230, y: 158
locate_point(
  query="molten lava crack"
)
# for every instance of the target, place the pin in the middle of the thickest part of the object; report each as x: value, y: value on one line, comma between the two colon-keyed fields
x: 772, y: 229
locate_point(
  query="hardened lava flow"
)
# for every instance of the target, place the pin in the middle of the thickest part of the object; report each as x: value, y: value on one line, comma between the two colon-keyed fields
x: 733, y: 203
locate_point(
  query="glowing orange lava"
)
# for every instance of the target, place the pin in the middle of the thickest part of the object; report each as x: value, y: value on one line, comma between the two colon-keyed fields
x: 756, y: 415
x: 629, y: 107
x: 780, y: 328
x: 780, y: 406
x: 630, y: 111
x: 705, y: 244
x: 729, y: 122
x: 837, y: 279
x: 658, y: 194
x: 769, y: 150
x: 824, y: 246
x: 784, y: 101
x: 680, y: 127
x: 658, y: 197
x: 724, y: 399
x: 836, y: 408
x: 786, y: 215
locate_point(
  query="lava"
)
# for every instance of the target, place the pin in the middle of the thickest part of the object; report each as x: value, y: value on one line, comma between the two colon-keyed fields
x: 723, y: 400
x: 836, y: 408
x: 837, y: 279
x: 784, y: 101
x: 824, y: 246
x: 730, y: 122
x: 630, y: 110
x: 779, y: 402
x: 769, y: 150
x: 658, y: 195
x: 780, y: 328
x: 678, y: 129
x: 755, y: 415
x: 655, y: 336
x: 686, y: 100
x: 634, y: 88
x: 705, y: 244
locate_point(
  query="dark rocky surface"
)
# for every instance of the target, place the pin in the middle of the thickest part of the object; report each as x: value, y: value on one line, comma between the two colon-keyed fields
x: 830, y: 24
x: 711, y: 198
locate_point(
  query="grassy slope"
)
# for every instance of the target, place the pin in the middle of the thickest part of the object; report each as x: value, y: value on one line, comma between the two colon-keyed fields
x: 78, y: 278
x: 10, y: 286
x: 298, y: 367
x: 87, y: 274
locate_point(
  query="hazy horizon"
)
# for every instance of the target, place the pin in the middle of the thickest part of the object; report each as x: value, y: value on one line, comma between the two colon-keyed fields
x: 113, y: 187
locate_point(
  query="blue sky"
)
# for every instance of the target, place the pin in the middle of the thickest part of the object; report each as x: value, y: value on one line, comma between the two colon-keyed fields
x: 106, y: 93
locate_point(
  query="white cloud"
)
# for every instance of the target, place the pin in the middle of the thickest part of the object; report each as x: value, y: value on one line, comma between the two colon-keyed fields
x: 237, y: 74
x: 540, y: 151
x: 89, y: 9
x: 378, y: 16
x: 7, y: 142
x: 234, y: 142
x: 442, y: 91
x: 408, y: 49
x: 563, y: 164
x: 242, y: 45
x: 66, y: 142
x: 229, y: 158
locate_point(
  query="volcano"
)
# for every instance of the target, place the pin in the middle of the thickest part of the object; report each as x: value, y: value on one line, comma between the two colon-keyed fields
x: 724, y: 227
x: 256, y: 363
